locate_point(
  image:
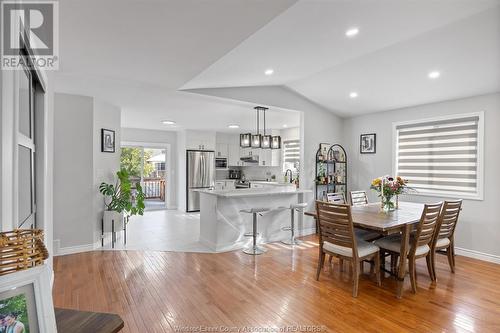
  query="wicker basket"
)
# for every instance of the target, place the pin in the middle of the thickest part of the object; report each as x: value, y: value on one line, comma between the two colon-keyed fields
x: 21, y: 249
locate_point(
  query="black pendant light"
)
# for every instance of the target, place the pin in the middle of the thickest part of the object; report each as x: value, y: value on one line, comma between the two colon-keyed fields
x: 276, y: 142
x: 257, y: 138
x: 245, y: 140
x: 266, y: 139
x: 248, y: 140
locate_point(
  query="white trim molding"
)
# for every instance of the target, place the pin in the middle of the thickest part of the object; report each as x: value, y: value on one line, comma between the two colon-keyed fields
x: 61, y: 251
x: 477, y: 255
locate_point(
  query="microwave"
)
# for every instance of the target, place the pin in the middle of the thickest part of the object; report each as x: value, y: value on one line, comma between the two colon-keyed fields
x: 221, y: 163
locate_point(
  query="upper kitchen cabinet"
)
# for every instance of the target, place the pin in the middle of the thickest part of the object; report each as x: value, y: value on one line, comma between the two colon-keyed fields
x: 221, y: 150
x: 200, y: 140
x: 234, y: 155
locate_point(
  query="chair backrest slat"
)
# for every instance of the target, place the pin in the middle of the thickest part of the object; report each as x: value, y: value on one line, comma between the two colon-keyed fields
x: 427, y: 225
x: 358, y: 198
x: 449, y: 218
x: 335, y: 225
x: 338, y: 198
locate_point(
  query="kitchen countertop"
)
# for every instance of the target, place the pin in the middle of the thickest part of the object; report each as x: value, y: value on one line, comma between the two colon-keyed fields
x: 254, y: 192
x: 270, y: 183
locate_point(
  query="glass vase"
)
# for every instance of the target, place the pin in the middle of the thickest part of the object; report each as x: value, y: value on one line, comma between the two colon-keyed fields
x: 387, y: 204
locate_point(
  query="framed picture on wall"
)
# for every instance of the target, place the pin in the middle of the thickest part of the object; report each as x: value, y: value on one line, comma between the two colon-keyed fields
x: 26, y: 301
x: 107, y: 141
x: 368, y: 143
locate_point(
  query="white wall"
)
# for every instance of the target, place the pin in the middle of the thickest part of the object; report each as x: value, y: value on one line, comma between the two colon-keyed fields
x: 162, y: 138
x: 479, y: 225
x: 181, y: 167
x: 73, y: 170
x: 318, y: 126
x: 105, y: 165
x: 79, y: 168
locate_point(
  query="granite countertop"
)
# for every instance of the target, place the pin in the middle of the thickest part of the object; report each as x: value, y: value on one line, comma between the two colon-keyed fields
x: 255, y: 192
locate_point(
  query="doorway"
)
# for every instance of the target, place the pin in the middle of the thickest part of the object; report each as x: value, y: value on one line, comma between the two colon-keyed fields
x: 148, y: 166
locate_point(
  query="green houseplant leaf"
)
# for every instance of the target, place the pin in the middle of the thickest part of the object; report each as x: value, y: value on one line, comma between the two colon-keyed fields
x: 121, y: 197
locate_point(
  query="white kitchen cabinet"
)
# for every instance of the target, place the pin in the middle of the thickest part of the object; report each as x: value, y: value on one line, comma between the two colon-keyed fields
x: 265, y: 158
x: 234, y: 155
x: 221, y: 150
x: 203, y: 140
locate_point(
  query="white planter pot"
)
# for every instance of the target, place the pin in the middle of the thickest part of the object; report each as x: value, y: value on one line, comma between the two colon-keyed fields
x: 110, y: 217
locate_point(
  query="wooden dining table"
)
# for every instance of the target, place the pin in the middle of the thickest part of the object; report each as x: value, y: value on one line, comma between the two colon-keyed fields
x: 402, y: 220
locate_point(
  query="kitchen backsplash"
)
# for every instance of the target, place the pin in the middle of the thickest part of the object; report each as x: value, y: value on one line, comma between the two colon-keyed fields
x: 254, y: 173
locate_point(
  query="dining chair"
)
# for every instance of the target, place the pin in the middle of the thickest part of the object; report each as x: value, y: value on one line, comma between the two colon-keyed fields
x: 358, y: 198
x: 336, y: 238
x: 444, y: 234
x: 420, y: 242
x: 338, y: 198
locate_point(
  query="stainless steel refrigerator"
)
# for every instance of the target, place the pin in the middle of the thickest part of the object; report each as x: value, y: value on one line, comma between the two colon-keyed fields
x: 200, y: 173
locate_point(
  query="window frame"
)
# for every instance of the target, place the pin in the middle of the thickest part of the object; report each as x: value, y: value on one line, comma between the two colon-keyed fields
x: 479, y: 195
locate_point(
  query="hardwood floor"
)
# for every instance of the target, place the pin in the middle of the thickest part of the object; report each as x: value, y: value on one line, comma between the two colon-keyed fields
x: 162, y: 291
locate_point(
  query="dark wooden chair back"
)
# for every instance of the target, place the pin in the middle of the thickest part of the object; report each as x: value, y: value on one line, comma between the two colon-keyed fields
x: 338, y: 198
x: 448, y: 220
x: 427, y: 225
x: 358, y: 198
x: 335, y: 224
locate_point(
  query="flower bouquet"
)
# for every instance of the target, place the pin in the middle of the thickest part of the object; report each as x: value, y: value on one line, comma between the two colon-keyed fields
x: 388, y: 187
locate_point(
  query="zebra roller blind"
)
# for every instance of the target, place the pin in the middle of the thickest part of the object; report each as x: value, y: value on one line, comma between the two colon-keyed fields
x: 291, y: 151
x: 440, y: 157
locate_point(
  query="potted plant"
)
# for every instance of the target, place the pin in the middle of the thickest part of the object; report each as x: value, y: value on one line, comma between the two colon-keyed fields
x: 120, y: 201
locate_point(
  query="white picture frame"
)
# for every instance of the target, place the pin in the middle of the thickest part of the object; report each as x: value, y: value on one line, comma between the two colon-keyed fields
x: 39, y: 278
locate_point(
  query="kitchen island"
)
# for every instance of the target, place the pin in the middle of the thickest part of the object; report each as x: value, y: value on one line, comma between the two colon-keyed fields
x: 223, y: 226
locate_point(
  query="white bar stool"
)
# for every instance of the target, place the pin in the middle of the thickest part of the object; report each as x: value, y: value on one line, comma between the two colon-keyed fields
x: 299, y: 207
x: 254, y: 249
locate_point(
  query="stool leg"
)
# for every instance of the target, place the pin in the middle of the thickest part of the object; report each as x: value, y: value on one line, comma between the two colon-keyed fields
x: 292, y: 240
x: 254, y: 249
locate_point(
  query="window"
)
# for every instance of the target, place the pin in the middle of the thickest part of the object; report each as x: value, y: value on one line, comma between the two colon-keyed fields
x: 26, y: 205
x: 442, y: 156
x: 291, y: 155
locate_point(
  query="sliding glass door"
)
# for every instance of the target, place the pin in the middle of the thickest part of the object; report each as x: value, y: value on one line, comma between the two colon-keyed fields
x: 147, y: 166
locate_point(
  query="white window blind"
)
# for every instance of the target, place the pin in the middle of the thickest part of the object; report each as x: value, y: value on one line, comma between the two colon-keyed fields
x: 440, y: 157
x: 291, y: 151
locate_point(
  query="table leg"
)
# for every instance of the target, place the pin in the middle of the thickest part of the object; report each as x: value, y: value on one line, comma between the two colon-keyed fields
x: 403, y: 257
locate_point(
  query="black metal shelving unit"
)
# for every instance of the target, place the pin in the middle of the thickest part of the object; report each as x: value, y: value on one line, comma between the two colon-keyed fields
x: 331, y: 170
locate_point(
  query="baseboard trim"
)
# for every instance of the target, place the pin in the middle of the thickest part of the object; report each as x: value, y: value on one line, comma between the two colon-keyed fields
x: 306, y: 232
x: 477, y: 255
x: 61, y: 251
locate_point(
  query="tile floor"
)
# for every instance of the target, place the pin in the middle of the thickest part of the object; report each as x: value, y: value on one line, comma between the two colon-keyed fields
x: 162, y: 230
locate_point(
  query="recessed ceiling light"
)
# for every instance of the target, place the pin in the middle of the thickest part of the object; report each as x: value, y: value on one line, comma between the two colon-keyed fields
x: 352, y: 32
x: 168, y: 122
x: 269, y: 71
x: 285, y: 125
x: 353, y: 94
x: 233, y: 126
x: 434, y: 75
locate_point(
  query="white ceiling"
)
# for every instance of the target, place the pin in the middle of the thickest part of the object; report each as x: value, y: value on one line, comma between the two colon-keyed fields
x: 399, y: 42
x: 138, y: 54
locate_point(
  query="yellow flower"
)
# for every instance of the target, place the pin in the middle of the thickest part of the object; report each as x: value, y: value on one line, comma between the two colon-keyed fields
x: 376, y: 182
